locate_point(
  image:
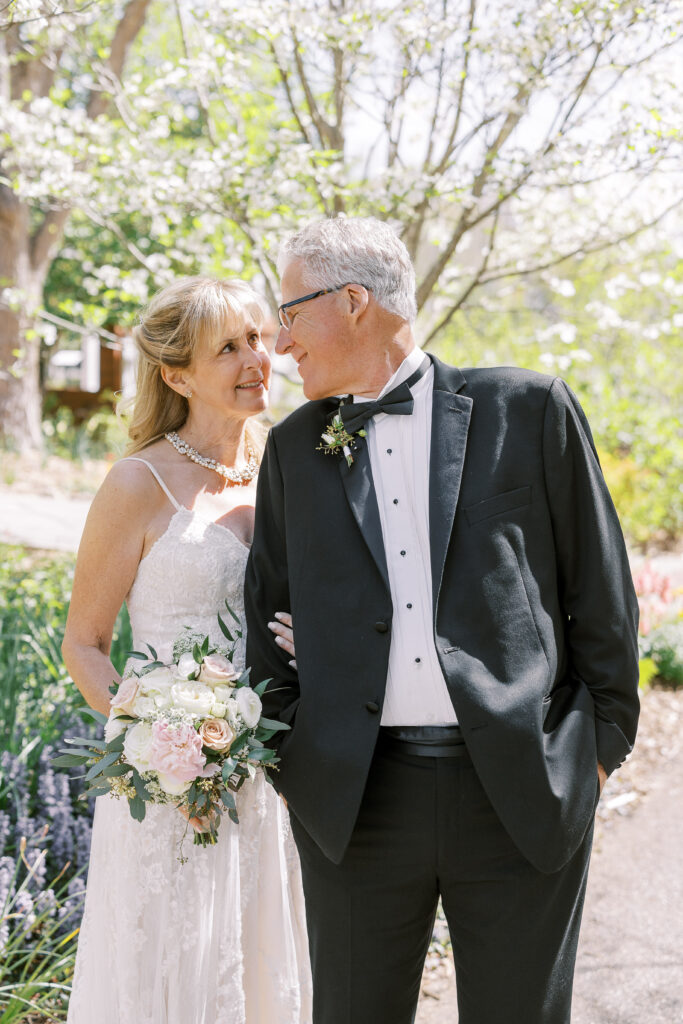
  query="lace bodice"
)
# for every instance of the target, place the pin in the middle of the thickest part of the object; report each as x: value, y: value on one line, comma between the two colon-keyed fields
x: 185, y: 579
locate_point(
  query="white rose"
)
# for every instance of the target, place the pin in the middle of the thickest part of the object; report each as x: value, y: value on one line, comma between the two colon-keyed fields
x: 249, y: 706
x: 219, y: 709
x: 186, y: 666
x: 114, y: 727
x: 193, y: 697
x: 223, y: 693
x: 137, y: 746
x: 156, y: 681
x: 171, y: 785
x: 144, y: 706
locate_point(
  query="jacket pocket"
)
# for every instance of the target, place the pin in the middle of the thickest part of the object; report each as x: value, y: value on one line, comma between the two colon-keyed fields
x: 499, y: 503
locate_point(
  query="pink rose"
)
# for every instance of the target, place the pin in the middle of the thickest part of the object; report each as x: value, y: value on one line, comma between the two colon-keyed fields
x: 216, y: 734
x: 176, y: 751
x: 124, y: 698
x: 216, y: 669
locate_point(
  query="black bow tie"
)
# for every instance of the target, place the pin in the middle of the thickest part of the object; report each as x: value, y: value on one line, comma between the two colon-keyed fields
x: 397, y: 402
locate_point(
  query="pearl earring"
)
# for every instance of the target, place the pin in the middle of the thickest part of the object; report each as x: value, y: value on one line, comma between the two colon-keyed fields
x: 188, y: 394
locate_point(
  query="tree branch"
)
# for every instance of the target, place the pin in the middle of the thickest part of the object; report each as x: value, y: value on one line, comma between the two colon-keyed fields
x: 129, y: 26
x: 475, y: 281
x: 511, y: 121
x: 47, y: 237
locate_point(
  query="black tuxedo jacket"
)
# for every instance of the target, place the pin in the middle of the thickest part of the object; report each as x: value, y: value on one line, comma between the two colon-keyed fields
x: 535, y: 616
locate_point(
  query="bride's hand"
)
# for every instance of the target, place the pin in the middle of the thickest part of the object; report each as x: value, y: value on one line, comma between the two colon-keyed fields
x: 284, y: 635
x: 198, y: 824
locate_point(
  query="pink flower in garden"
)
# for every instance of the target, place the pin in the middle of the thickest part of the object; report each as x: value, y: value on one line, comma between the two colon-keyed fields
x: 654, y: 595
x: 176, y: 751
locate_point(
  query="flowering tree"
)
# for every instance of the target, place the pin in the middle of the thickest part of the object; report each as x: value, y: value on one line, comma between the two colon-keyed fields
x: 500, y: 139
x: 56, y: 83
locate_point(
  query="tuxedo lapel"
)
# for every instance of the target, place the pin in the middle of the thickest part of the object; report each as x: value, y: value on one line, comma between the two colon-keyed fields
x: 450, y: 423
x: 360, y: 493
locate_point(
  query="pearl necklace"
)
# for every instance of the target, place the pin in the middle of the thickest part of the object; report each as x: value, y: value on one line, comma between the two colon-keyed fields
x: 235, y: 477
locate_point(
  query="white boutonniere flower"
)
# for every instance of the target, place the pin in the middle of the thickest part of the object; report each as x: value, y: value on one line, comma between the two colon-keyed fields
x: 338, y: 441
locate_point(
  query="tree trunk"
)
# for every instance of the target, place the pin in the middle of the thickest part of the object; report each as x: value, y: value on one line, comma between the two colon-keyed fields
x: 20, y: 396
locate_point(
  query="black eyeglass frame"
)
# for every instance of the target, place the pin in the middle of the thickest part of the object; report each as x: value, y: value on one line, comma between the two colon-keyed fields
x: 307, y: 298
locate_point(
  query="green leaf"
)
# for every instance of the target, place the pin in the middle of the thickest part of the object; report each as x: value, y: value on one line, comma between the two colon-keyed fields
x: 150, y: 668
x: 117, y: 743
x: 138, y: 655
x: 69, y: 760
x: 235, y: 617
x: 152, y: 651
x: 232, y: 814
x: 239, y: 742
x: 228, y: 799
x: 140, y: 787
x: 259, y: 689
x: 137, y: 808
x: 114, y: 770
x: 263, y: 754
x: 273, y: 724
x: 96, y: 716
x: 97, y: 744
x: 99, y: 767
x: 197, y: 654
x: 225, y: 631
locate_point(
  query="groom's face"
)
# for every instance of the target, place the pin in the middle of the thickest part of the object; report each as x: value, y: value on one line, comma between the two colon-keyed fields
x: 328, y: 352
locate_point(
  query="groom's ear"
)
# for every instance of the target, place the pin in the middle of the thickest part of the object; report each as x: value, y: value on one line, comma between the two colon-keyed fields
x: 358, y: 299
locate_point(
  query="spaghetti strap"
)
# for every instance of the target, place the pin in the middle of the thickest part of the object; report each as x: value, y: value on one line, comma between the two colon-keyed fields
x: 157, y: 477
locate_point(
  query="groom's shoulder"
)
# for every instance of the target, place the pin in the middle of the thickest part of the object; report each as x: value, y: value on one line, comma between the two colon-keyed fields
x: 307, y: 418
x: 507, y: 380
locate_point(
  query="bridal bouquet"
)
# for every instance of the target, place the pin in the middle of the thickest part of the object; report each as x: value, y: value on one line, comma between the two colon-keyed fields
x: 188, y: 733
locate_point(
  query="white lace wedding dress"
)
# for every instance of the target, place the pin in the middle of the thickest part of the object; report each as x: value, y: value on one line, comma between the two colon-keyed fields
x: 220, y: 939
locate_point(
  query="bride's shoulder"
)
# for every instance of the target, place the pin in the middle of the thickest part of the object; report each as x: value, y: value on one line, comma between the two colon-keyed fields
x: 131, y: 484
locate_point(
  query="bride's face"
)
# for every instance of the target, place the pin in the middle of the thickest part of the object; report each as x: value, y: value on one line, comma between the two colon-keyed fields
x: 230, y: 374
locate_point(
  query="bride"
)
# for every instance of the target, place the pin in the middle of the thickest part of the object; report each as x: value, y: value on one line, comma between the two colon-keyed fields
x: 220, y: 939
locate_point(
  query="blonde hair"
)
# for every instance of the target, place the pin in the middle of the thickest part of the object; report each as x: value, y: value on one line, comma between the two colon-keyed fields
x: 172, y: 328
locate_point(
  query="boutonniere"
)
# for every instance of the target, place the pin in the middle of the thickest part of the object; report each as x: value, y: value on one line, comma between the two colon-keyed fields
x: 338, y: 441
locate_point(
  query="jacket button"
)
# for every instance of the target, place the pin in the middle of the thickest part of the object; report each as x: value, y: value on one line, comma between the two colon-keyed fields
x: 372, y: 706
x: 381, y: 627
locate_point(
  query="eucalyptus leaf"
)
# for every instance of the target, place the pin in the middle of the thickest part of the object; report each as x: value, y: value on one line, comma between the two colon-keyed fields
x: 272, y: 724
x: 96, y: 716
x: 115, y: 770
x: 69, y: 761
x: 137, y: 808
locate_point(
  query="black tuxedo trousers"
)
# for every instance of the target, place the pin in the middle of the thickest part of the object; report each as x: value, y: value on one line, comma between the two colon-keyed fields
x: 426, y: 829
x: 535, y: 617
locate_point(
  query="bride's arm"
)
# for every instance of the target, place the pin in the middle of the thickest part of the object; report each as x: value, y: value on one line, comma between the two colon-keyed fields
x: 108, y: 557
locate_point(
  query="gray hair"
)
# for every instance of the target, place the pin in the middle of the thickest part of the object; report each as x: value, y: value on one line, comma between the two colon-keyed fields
x: 363, y: 250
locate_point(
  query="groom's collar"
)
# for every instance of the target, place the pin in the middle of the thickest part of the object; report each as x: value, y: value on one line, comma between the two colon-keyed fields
x: 411, y: 362
x: 447, y: 378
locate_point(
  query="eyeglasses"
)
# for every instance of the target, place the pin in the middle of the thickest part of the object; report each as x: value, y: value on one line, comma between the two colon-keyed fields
x: 284, y: 317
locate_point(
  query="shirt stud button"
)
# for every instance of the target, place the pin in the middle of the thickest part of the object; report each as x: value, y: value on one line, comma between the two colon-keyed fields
x: 403, y: 552
x: 409, y: 605
x: 395, y: 501
x: 389, y: 451
x: 418, y: 660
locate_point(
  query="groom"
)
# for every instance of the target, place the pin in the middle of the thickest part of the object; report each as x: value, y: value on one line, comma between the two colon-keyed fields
x: 465, y: 629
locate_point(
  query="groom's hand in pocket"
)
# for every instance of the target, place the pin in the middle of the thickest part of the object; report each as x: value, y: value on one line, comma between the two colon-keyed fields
x: 284, y: 634
x: 602, y: 776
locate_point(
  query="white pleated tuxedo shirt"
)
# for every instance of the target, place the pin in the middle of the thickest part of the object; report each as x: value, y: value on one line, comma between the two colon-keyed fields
x: 399, y: 449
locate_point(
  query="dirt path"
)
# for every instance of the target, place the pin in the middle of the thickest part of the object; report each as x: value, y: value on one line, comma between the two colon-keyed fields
x: 630, y: 962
